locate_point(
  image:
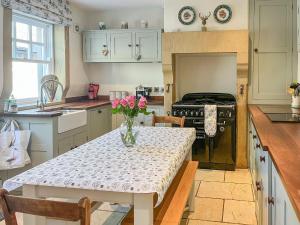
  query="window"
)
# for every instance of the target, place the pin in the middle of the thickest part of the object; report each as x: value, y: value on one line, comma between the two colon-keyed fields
x: 32, y: 53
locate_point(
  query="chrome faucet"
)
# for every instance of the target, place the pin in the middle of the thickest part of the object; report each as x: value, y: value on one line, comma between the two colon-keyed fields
x: 43, y: 86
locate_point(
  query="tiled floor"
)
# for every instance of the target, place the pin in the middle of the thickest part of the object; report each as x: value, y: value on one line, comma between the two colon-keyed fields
x: 221, y: 198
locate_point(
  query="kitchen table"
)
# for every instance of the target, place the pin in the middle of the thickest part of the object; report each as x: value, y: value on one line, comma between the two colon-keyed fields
x: 106, y: 171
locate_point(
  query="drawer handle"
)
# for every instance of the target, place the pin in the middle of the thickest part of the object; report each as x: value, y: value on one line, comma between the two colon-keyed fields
x: 254, y: 136
x: 258, y: 186
x: 104, y: 46
x: 257, y: 145
x: 129, y: 45
x: 262, y: 158
x: 250, y: 132
x: 99, y: 111
x: 137, y: 45
x: 271, y: 201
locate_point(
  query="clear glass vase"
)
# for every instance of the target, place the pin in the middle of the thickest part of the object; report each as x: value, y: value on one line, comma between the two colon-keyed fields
x: 128, y: 131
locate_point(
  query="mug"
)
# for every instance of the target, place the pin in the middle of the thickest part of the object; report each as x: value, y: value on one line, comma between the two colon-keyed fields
x: 102, y: 25
x: 124, y: 25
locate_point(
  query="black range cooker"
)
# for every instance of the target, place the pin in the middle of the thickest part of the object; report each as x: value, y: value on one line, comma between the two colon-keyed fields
x: 218, y: 152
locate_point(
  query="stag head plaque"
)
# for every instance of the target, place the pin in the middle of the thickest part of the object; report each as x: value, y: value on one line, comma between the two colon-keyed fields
x: 204, y: 19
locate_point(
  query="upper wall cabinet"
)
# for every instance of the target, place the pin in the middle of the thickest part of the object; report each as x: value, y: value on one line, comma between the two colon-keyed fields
x: 143, y: 45
x: 273, y: 49
x: 96, y: 47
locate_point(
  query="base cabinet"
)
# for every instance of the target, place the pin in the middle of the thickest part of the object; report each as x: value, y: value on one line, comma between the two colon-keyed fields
x: 273, y: 206
x: 99, y: 121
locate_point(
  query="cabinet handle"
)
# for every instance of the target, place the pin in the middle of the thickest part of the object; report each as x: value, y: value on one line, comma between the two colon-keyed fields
x: 257, y: 145
x: 99, y: 111
x: 256, y: 50
x: 104, y: 46
x: 254, y: 136
x: 258, y: 186
x: 250, y: 132
x: 129, y: 45
x: 262, y: 158
x: 137, y: 45
x: 271, y: 201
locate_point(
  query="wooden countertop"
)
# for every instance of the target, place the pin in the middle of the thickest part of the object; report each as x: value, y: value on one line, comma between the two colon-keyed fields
x: 51, y: 111
x: 282, y: 141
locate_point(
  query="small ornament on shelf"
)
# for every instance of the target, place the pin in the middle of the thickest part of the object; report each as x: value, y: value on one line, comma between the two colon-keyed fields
x: 204, y: 19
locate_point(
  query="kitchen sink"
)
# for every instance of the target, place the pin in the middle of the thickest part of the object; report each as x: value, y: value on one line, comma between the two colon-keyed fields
x: 71, y: 119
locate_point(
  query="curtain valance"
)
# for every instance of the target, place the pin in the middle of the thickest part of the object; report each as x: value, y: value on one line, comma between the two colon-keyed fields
x: 57, y: 11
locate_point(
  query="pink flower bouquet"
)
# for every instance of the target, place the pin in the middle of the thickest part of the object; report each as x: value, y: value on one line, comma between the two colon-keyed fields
x: 130, y: 107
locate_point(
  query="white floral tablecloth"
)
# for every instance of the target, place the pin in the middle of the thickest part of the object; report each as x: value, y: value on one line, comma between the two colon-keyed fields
x: 106, y: 164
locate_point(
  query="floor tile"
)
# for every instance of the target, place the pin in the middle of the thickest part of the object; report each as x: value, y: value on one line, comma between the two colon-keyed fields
x: 207, y: 209
x: 239, y: 212
x: 225, y: 191
x: 210, y: 175
x: 241, y: 176
x: 203, y: 222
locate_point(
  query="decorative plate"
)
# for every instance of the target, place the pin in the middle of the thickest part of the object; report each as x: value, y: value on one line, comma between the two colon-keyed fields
x: 223, y: 14
x: 187, y: 15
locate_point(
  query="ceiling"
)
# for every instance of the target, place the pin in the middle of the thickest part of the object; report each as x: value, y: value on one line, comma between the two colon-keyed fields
x: 117, y: 4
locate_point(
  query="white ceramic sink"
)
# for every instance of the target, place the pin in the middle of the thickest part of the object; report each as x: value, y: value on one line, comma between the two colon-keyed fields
x: 71, y: 119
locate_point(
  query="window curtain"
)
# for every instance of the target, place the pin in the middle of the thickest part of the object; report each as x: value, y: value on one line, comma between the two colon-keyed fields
x: 57, y: 11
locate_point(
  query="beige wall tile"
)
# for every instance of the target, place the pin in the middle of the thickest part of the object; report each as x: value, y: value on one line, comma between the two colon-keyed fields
x: 210, y: 175
x: 239, y: 212
x: 241, y: 176
x: 225, y: 191
x: 202, y: 222
x: 207, y: 209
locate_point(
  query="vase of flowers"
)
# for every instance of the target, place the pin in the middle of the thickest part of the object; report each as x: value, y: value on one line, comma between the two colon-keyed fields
x: 130, y: 107
x: 294, y: 90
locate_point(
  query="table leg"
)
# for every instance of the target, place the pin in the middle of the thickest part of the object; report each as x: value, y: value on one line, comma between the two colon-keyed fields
x: 29, y: 191
x: 191, y: 200
x: 143, y: 209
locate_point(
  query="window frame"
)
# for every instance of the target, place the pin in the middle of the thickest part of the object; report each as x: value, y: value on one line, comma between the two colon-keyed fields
x: 47, y: 45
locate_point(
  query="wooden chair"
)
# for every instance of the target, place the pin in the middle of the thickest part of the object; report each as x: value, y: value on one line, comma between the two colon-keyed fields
x: 168, y: 119
x: 66, y: 211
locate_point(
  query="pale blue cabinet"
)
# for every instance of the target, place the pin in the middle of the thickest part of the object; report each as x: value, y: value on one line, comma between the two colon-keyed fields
x: 273, y: 206
x: 147, y: 46
x: 282, y: 210
x: 125, y: 45
x: 96, y: 46
x: 121, y: 46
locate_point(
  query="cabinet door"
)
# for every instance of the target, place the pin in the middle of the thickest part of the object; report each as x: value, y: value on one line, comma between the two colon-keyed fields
x: 65, y: 145
x: 80, y: 139
x: 122, y: 46
x: 265, y: 187
x: 95, y: 45
x: 282, y: 211
x: 100, y: 122
x: 146, y: 46
x: 272, y: 49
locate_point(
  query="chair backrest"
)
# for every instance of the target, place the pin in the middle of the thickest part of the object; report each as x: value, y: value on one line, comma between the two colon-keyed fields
x: 67, y: 211
x: 168, y: 119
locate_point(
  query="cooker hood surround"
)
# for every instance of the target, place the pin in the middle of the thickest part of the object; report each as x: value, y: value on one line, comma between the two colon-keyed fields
x: 234, y: 41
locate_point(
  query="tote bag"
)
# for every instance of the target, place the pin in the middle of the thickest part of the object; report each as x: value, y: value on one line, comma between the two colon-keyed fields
x: 13, y: 146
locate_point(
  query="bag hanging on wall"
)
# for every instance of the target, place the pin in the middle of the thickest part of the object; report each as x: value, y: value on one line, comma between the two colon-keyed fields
x: 13, y: 146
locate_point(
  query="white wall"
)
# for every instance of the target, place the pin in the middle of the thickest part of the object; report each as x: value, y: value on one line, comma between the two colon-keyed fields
x: 206, y: 73
x: 239, y: 19
x: 126, y: 76
x: 78, y: 70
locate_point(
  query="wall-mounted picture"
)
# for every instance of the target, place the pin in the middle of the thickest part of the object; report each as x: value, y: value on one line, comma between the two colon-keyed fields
x: 187, y: 15
x: 223, y: 14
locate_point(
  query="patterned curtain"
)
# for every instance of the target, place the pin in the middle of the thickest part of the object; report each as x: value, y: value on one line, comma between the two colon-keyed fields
x: 57, y: 11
